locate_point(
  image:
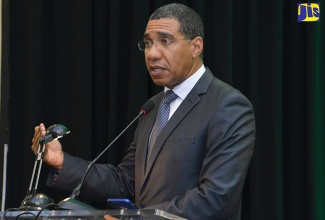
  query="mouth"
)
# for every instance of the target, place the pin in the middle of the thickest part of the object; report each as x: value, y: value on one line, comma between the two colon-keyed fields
x: 156, y: 69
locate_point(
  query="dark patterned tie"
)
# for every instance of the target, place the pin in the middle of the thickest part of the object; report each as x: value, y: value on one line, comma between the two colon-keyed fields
x: 162, y: 118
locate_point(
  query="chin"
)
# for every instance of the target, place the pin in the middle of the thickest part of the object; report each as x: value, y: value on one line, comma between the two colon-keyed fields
x: 158, y: 83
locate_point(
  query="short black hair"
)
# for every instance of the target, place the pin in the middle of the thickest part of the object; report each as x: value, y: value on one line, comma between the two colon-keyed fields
x: 190, y: 23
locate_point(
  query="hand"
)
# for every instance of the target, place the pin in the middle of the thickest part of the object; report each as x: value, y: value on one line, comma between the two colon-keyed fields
x: 53, y: 154
x: 108, y: 217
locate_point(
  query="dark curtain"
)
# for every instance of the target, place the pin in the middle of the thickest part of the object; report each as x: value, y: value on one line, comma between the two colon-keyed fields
x: 77, y: 63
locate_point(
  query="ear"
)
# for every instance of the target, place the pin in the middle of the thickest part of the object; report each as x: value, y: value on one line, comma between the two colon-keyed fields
x: 197, y: 44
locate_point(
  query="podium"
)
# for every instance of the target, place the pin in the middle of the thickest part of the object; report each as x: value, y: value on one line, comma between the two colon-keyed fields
x: 150, y: 214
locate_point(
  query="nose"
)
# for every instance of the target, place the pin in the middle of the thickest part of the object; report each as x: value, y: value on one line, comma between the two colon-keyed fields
x: 153, y: 53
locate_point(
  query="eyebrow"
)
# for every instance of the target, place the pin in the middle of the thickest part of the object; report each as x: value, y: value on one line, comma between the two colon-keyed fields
x: 161, y: 34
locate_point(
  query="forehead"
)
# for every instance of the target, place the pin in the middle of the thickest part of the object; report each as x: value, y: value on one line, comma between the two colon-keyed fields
x: 162, y: 27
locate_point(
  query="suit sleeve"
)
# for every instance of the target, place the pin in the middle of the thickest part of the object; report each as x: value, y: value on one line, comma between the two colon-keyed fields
x: 102, y: 182
x: 229, y: 147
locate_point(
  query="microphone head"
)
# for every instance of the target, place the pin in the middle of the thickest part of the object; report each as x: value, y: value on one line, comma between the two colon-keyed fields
x: 57, y: 131
x: 147, y: 107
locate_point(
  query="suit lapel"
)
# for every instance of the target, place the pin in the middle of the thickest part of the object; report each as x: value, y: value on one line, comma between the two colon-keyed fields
x: 180, y: 113
x: 189, y: 102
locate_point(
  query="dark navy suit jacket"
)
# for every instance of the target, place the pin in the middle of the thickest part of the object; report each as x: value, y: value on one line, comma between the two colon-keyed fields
x: 199, y: 163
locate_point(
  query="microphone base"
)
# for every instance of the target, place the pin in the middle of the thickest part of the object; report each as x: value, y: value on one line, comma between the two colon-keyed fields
x: 35, y: 202
x: 73, y: 204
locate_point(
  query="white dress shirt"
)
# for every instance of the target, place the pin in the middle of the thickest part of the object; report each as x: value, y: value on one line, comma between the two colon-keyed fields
x: 184, y: 89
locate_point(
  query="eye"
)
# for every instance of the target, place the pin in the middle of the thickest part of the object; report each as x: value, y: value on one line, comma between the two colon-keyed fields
x: 147, y: 43
x: 165, y: 41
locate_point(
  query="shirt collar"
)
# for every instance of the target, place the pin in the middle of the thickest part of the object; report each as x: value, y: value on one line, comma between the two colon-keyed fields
x: 183, y: 89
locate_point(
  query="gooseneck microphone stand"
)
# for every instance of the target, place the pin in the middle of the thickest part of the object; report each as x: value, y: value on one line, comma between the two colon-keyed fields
x: 38, y: 162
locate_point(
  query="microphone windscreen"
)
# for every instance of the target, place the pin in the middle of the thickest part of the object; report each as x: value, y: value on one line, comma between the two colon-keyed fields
x: 147, y: 107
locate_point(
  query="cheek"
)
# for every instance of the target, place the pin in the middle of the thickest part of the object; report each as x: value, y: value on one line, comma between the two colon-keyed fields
x: 180, y: 59
x: 175, y: 58
x: 146, y: 62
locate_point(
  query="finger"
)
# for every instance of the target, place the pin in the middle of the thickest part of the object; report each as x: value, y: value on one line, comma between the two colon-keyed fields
x: 38, y: 134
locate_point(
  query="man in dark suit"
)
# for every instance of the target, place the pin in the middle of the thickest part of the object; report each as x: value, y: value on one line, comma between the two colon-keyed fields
x: 195, y: 166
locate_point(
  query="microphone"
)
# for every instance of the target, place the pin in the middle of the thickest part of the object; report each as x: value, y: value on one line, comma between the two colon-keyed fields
x: 71, y: 203
x: 54, y: 132
x: 37, y: 201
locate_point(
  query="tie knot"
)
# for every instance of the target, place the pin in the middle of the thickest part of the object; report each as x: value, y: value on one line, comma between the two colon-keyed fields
x: 169, y: 97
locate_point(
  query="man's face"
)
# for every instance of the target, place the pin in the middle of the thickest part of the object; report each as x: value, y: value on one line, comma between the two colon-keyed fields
x: 168, y: 64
